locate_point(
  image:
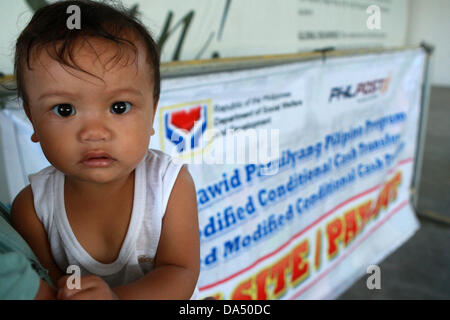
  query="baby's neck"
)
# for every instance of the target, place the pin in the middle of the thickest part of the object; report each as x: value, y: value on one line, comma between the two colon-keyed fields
x: 94, y: 192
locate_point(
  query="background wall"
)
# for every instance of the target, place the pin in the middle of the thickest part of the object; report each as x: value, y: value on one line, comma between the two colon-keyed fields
x: 201, y: 29
x: 237, y: 28
x: 430, y: 21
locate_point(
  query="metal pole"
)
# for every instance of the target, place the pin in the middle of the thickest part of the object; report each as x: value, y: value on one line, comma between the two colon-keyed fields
x: 423, y: 119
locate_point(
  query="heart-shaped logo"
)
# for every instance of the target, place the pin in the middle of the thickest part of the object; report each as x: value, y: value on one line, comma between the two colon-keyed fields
x: 185, y: 119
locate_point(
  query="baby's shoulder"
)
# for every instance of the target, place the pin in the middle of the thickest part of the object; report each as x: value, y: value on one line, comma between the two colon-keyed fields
x: 23, y: 199
x: 22, y: 208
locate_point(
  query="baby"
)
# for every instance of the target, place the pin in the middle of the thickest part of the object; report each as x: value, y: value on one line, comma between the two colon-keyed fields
x: 124, y: 214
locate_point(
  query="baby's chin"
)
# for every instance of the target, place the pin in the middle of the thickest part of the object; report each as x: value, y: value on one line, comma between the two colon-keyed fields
x: 100, y: 176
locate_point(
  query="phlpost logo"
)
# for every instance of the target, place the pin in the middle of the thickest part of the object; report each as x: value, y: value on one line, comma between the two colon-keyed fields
x: 183, y: 125
x: 362, y: 89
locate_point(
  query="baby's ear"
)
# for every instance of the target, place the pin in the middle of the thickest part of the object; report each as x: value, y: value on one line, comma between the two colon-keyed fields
x: 34, y: 137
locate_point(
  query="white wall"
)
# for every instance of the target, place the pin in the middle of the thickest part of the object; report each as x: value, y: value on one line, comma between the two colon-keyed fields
x: 430, y: 21
x: 245, y: 27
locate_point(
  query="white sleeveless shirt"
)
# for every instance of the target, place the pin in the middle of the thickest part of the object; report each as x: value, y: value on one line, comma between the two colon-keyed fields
x: 154, y: 179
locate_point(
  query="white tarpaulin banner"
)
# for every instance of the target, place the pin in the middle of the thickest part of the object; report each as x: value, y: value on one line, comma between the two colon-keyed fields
x: 312, y: 188
x: 335, y: 197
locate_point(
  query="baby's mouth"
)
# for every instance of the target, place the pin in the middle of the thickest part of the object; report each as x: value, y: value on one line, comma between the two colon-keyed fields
x: 97, y: 159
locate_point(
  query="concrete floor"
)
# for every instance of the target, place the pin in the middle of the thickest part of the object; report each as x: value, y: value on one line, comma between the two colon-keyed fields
x: 420, y: 269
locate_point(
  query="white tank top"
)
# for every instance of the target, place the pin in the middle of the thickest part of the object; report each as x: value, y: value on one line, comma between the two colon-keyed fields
x: 154, y: 180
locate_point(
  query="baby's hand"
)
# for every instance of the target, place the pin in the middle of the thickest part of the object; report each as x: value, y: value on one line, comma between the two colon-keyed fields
x: 92, y: 288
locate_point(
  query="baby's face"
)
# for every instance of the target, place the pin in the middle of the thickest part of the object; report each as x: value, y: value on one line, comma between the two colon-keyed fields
x: 79, y: 118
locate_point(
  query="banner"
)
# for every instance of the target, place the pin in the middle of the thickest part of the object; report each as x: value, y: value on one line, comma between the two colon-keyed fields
x: 304, y: 222
x: 302, y: 171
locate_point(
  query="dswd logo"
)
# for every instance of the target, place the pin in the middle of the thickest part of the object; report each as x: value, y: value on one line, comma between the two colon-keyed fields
x: 183, y: 127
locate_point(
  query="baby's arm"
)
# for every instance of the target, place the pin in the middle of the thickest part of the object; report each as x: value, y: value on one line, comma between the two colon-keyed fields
x: 177, y: 261
x: 26, y: 222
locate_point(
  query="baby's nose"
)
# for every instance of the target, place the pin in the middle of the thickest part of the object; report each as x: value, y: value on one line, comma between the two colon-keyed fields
x: 94, y: 130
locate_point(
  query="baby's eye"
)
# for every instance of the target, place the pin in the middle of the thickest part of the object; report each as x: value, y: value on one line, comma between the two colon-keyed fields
x: 120, y: 107
x: 64, y: 110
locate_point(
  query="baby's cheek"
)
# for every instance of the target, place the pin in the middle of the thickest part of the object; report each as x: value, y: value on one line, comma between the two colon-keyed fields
x: 137, y: 144
x: 59, y: 157
x: 53, y: 147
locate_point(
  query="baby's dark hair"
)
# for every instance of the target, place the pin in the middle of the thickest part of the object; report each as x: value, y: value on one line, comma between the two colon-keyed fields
x: 48, y: 29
